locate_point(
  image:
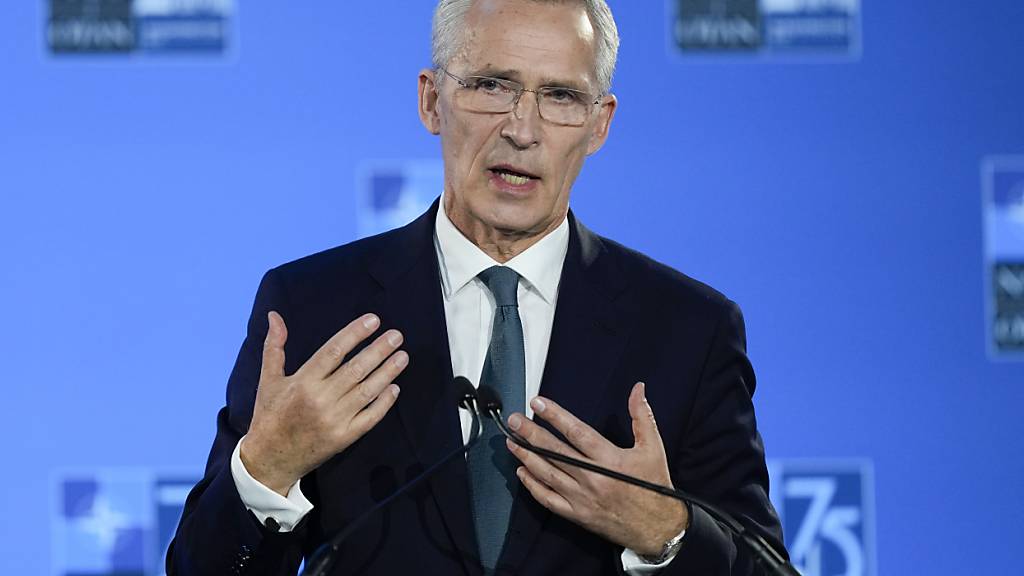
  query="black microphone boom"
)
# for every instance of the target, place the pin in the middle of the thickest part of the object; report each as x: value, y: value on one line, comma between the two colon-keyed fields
x: 770, y: 558
x: 325, y: 556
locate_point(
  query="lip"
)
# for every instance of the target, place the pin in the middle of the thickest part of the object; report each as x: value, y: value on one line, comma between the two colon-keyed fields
x: 513, y: 168
x: 505, y: 187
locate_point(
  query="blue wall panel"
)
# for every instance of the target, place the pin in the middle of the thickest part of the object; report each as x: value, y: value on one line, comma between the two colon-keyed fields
x: 838, y: 201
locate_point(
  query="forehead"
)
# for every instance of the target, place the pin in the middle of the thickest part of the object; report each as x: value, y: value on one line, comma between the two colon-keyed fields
x: 533, y: 42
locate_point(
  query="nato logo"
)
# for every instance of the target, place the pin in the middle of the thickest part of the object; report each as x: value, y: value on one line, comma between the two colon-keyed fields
x: 115, y: 522
x: 768, y: 27
x: 1003, y: 207
x: 139, y: 26
x: 91, y: 26
x: 393, y: 193
x: 827, y: 512
x: 718, y: 25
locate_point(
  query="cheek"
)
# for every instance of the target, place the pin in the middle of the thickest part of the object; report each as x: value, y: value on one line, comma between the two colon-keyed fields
x: 469, y: 146
x: 453, y: 139
x: 574, y: 157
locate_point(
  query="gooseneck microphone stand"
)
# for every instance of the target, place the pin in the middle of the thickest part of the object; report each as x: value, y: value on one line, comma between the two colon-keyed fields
x: 326, y: 555
x: 766, y: 555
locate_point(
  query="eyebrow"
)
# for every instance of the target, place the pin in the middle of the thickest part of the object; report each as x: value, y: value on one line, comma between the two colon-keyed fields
x: 516, y: 75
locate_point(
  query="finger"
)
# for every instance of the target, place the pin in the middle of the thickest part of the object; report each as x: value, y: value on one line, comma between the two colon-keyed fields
x: 545, y: 470
x: 329, y: 356
x: 576, y: 432
x: 645, y: 428
x: 539, y: 436
x: 356, y: 397
x: 366, y: 361
x: 366, y: 419
x: 273, y: 346
x: 547, y: 497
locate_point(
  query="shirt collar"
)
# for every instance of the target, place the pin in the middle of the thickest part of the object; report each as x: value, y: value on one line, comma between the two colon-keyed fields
x: 460, y: 260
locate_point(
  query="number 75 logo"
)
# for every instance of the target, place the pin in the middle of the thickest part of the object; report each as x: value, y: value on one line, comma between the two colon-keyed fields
x: 827, y: 512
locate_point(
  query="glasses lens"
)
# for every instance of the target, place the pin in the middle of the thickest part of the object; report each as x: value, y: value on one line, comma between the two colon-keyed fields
x: 561, y: 114
x: 482, y: 94
x: 563, y: 106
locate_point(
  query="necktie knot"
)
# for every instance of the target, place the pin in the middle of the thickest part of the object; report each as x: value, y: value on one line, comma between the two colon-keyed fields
x: 503, y: 282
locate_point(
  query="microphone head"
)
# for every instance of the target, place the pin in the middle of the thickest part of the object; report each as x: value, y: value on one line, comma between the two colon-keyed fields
x: 488, y: 399
x: 465, y: 393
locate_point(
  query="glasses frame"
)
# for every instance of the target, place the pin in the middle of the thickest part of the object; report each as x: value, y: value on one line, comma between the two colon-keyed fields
x: 518, y: 88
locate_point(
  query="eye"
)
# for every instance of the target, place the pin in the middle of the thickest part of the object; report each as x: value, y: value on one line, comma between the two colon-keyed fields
x: 562, y: 96
x: 488, y: 85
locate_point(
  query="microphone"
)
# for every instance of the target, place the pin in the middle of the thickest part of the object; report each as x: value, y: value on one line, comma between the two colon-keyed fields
x: 765, y: 554
x: 326, y: 555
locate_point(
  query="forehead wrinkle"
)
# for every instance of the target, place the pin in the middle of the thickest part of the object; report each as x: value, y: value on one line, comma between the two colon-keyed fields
x: 482, y: 27
x: 516, y: 75
x: 506, y: 68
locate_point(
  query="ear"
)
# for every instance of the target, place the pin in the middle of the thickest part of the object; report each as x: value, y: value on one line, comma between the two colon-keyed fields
x: 604, y: 121
x: 428, y: 102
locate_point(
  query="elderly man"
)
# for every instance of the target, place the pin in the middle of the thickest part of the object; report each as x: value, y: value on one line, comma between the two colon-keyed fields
x: 342, y: 389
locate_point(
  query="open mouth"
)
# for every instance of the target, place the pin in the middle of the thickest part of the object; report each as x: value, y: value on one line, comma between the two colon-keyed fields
x: 513, y: 176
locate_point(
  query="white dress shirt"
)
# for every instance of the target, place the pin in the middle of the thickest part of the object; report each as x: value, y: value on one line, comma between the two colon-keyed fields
x: 469, y: 305
x: 469, y: 313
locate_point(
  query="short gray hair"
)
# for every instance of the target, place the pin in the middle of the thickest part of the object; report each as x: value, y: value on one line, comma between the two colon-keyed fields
x: 446, y: 36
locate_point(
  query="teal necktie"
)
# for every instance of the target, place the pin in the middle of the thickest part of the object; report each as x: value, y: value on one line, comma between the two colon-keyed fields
x: 491, y: 466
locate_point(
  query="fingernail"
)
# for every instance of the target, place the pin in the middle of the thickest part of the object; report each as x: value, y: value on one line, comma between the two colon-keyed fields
x: 370, y: 321
x: 401, y: 359
x: 538, y: 405
x: 394, y: 338
x: 394, y: 389
x: 511, y: 445
x: 514, y: 422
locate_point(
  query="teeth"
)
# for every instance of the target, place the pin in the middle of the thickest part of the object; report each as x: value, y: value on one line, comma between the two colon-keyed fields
x: 513, y: 179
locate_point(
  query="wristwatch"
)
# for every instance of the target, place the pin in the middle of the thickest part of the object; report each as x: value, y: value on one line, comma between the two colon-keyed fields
x: 668, y: 550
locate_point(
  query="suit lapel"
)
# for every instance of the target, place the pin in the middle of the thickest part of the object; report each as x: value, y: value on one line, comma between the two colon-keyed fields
x: 411, y: 301
x: 587, y: 338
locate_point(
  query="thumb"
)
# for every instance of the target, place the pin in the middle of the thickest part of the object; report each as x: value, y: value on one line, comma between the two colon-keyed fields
x: 273, y: 346
x: 645, y: 429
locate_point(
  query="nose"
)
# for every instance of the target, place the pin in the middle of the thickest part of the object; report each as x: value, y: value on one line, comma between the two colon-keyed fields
x: 522, y: 128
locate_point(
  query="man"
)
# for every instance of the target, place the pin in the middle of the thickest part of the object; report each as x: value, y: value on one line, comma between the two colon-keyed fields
x: 342, y: 389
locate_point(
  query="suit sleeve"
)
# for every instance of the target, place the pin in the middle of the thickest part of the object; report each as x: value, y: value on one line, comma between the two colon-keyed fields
x: 721, y: 459
x: 217, y: 534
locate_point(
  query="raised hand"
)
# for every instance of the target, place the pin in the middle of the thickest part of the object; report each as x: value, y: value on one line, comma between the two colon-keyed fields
x: 302, y: 420
x: 627, y: 515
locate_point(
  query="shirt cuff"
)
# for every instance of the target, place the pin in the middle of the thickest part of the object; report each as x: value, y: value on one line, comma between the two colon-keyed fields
x: 634, y: 565
x: 264, y: 502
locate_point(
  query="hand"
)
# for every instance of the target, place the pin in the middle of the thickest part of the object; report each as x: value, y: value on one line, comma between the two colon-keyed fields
x: 302, y: 420
x: 627, y: 515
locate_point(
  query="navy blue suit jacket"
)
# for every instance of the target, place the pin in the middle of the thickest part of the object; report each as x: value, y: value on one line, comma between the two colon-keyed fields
x: 620, y: 318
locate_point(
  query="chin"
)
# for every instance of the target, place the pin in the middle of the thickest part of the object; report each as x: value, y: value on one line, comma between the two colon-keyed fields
x: 519, y: 222
x: 509, y: 215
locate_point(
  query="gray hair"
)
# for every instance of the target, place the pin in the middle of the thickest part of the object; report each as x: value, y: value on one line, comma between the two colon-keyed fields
x: 446, y: 36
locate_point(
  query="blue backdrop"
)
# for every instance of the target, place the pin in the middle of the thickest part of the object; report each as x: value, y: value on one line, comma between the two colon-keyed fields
x: 142, y: 197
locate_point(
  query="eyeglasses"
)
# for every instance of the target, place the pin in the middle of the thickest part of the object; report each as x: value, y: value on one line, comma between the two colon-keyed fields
x: 562, y: 106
